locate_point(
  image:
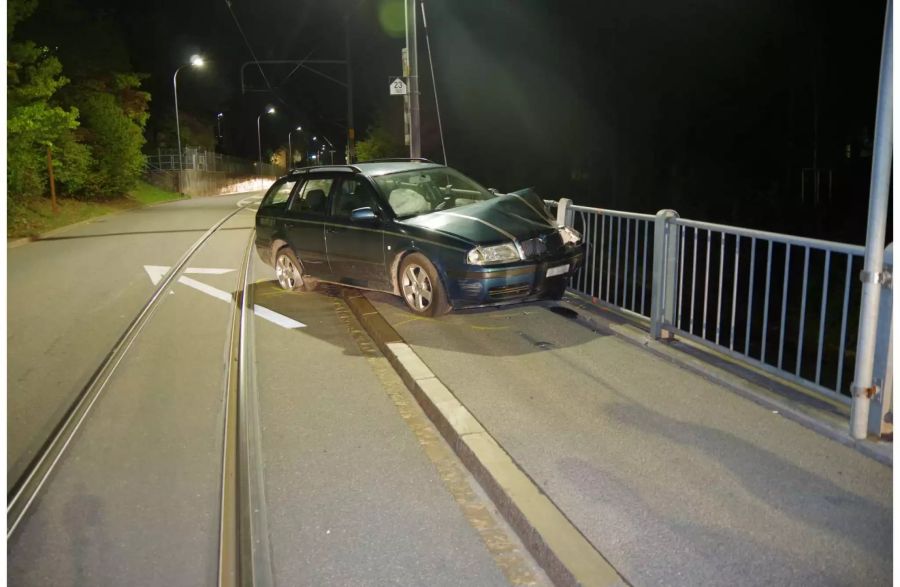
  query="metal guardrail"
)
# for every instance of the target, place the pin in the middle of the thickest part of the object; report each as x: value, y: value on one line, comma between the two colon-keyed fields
x: 787, y: 305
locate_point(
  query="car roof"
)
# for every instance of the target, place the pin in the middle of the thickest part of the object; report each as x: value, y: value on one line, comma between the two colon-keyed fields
x: 368, y: 168
x: 376, y: 168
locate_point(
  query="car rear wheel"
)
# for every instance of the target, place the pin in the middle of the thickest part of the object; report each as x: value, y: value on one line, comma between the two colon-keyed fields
x: 421, y: 287
x: 289, y: 272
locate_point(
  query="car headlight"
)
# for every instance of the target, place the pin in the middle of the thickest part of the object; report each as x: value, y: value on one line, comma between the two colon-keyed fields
x: 569, y: 235
x: 490, y: 255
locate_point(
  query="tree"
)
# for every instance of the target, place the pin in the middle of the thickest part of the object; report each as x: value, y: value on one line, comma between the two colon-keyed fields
x: 380, y: 143
x: 34, y: 123
x: 104, y: 90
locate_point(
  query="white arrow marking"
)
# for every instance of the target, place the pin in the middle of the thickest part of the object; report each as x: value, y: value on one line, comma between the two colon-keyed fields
x: 207, y: 289
x: 156, y: 273
x: 277, y: 318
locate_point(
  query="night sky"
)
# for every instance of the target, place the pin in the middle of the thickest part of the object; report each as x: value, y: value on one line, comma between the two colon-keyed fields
x: 711, y: 108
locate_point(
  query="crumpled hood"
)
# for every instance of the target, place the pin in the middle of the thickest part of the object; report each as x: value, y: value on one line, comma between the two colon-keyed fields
x: 520, y: 215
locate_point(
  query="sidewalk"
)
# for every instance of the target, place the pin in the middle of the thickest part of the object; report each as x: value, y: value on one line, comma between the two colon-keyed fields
x: 674, y: 478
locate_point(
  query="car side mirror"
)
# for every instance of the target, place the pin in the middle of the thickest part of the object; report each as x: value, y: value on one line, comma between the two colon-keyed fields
x: 364, y: 216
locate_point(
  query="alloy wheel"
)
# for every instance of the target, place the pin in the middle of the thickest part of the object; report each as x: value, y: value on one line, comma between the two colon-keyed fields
x: 287, y: 273
x: 417, y: 288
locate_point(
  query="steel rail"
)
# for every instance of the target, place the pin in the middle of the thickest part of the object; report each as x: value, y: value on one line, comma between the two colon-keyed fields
x: 244, y: 551
x: 42, y: 465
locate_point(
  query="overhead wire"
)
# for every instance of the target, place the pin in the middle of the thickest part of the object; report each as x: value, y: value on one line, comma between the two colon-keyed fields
x: 247, y: 43
x: 437, y: 106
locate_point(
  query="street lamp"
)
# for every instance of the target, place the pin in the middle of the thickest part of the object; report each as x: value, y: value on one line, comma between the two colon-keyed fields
x: 195, y: 61
x: 290, y: 151
x: 269, y: 110
x: 331, y: 151
x: 219, y: 124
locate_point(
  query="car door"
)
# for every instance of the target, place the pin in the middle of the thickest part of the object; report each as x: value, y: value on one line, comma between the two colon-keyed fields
x: 306, y: 215
x: 270, y: 218
x: 356, y: 249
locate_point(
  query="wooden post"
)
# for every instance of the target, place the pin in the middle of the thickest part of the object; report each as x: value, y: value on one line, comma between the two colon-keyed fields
x: 52, y: 181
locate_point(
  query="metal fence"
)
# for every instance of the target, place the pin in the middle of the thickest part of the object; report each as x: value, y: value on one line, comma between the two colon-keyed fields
x: 199, y: 159
x: 788, y: 305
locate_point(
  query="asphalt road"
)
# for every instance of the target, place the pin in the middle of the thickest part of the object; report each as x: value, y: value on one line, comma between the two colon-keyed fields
x: 359, y: 488
x: 677, y: 481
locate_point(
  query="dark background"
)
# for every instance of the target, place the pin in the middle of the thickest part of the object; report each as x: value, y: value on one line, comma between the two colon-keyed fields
x: 712, y: 108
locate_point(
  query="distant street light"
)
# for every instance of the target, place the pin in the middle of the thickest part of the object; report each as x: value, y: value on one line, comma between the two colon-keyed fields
x: 195, y: 61
x: 269, y: 110
x: 290, y: 150
x: 330, y: 144
x: 219, y: 124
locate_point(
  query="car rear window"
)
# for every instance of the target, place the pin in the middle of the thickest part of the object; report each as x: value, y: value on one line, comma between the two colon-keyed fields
x: 279, y: 193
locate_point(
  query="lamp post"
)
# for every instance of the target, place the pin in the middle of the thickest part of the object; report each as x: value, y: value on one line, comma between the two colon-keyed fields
x: 290, y: 150
x: 195, y: 61
x: 331, y: 150
x: 269, y: 110
x: 219, y: 124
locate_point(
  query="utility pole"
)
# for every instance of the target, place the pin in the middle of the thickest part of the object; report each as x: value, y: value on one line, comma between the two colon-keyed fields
x: 52, y: 180
x: 415, y: 147
x: 351, y: 132
x: 873, y: 276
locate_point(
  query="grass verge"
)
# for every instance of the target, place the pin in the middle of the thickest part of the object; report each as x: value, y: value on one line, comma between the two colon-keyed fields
x: 37, y: 217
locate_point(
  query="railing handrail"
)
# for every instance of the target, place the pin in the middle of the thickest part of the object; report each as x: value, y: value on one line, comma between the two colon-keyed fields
x: 834, y: 246
x: 620, y: 213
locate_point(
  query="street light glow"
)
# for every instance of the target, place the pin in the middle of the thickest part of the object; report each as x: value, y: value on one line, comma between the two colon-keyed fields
x: 271, y: 110
x: 197, y: 61
x: 220, y: 115
x: 299, y: 128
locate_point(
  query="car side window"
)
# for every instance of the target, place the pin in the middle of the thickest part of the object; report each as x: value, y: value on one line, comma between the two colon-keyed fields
x: 279, y: 193
x: 313, y: 198
x: 353, y: 193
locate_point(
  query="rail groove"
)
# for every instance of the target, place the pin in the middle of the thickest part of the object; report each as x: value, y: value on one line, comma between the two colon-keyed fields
x: 244, y: 552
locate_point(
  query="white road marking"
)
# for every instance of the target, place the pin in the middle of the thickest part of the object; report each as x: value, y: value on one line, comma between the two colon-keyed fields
x: 156, y: 273
x: 249, y: 201
x: 207, y: 289
x: 277, y: 318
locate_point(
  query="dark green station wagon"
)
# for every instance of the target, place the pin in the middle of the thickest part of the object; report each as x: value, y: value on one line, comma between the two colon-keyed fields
x: 416, y: 229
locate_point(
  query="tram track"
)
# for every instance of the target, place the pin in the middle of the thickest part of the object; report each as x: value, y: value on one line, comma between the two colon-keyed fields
x: 24, y: 492
x: 244, y: 551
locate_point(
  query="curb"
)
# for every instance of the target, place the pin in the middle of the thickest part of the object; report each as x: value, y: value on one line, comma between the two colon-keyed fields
x: 557, y: 545
x: 826, y: 424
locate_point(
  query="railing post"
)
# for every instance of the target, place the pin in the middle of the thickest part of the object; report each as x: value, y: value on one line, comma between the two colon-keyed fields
x: 862, y: 388
x: 882, y: 368
x: 565, y: 216
x: 665, y: 267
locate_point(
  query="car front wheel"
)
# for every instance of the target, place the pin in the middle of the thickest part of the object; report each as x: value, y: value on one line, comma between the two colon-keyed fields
x: 421, y: 288
x: 289, y: 272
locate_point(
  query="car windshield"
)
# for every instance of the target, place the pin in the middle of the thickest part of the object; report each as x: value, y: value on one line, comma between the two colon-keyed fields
x: 414, y: 193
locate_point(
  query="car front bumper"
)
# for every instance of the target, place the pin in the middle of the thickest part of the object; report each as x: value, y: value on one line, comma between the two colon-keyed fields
x: 488, y: 286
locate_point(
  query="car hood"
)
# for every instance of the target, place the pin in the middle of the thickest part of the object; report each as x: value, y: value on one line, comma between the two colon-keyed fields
x: 519, y: 215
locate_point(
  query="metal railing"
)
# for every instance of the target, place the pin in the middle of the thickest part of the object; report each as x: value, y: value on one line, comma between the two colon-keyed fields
x: 787, y: 305
x: 616, y: 268
x: 780, y: 302
x: 199, y: 159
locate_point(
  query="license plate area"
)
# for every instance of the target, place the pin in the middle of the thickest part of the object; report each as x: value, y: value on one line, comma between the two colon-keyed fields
x: 558, y: 270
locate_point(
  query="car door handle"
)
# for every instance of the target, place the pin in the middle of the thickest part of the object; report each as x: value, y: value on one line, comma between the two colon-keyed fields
x: 334, y: 229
